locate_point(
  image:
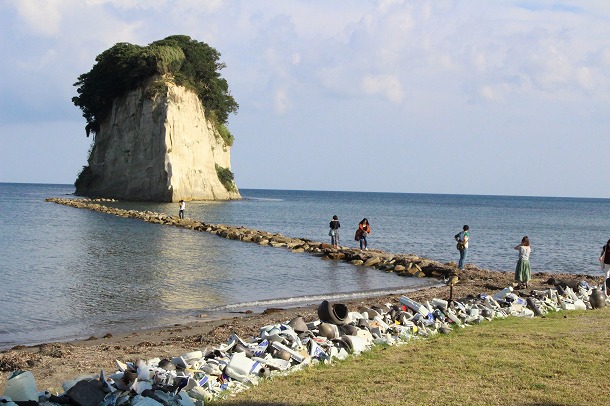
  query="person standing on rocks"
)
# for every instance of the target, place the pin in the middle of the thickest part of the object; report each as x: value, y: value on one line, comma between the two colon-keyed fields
x: 462, y: 245
x: 364, y: 229
x: 604, y: 261
x: 182, y: 208
x: 523, y: 271
x: 334, y: 231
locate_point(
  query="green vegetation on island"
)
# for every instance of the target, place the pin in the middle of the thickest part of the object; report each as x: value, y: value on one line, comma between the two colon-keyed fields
x: 125, y: 67
x: 226, y: 178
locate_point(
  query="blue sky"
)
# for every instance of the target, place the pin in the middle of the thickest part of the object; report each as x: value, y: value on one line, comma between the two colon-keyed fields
x: 476, y: 97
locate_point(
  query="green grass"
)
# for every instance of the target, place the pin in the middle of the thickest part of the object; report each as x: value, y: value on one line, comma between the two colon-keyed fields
x: 559, y: 360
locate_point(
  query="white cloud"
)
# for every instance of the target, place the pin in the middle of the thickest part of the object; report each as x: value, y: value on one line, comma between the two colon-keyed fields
x: 281, y: 101
x: 585, y: 78
x: 42, y: 16
x: 387, y: 85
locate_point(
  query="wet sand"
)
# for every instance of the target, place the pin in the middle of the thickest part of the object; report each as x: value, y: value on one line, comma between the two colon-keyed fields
x: 54, y: 363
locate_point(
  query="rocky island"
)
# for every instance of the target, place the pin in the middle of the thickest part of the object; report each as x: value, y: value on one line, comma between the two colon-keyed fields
x: 158, y: 117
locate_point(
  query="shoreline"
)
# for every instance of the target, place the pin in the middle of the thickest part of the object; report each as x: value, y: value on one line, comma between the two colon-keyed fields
x: 214, y: 315
x: 55, y: 362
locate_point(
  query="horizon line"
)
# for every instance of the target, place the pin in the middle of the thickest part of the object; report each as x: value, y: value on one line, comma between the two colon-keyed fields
x: 356, y: 191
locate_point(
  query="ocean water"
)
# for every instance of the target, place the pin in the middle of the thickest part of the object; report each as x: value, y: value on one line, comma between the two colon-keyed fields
x: 68, y: 273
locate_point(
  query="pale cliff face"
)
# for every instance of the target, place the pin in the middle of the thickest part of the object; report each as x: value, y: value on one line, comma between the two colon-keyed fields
x: 159, y: 149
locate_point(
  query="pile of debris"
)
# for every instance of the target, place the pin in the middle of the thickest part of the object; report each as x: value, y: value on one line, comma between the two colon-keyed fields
x: 199, y: 376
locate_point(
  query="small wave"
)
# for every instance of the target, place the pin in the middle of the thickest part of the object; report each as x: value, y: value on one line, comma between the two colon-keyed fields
x: 297, y: 301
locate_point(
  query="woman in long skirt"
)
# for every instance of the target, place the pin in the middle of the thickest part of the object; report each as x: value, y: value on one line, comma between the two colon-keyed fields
x: 523, y: 272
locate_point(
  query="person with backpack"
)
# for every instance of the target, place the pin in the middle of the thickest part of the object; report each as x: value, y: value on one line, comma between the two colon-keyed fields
x: 462, y: 245
x: 364, y: 229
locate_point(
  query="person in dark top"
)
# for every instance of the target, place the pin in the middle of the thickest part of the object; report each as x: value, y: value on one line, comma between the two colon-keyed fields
x: 334, y: 231
x: 604, y: 261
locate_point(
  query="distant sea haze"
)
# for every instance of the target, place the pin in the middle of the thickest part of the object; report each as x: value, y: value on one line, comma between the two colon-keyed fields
x: 70, y: 273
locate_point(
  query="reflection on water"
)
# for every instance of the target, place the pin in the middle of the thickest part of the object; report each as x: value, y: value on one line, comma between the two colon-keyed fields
x: 75, y: 273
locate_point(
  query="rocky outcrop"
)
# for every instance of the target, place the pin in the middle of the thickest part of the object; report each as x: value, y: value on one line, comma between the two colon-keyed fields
x: 157, y: 145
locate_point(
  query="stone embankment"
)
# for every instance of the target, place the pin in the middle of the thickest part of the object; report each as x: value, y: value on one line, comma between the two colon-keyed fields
x: 400, y: 264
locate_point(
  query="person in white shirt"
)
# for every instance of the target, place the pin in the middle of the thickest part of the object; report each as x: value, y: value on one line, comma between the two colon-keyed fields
x: 182, y: 208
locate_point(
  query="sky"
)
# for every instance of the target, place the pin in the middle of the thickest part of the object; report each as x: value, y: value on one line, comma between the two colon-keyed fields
x: 461, y: 97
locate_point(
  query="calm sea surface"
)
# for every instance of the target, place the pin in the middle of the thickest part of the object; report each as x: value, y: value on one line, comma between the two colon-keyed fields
x: 68, y: 273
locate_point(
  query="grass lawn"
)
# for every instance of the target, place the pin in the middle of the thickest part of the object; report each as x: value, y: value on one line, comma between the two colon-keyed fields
x: 563, y: 359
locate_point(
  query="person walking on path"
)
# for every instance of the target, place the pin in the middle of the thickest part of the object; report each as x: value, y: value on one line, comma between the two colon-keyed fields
x: 523, y: 272
x: 182, y: 208
x: 364, y: 229
x: 604, y: 261
x: 334, y: 231
x: 462, y: 245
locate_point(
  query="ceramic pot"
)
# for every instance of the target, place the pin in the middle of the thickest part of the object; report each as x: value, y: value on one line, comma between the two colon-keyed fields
x: 298, y: 325
x: 239, y: 347
x: 532, y: 306
x: 349, y: 329
x: 597, y: 299
x: 327, y: 330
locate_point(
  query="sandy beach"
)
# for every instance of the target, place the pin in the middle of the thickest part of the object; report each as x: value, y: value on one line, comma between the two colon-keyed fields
x: 54, y: 363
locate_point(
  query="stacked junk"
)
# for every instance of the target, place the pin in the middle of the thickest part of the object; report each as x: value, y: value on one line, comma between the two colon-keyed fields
x: 200, y: 376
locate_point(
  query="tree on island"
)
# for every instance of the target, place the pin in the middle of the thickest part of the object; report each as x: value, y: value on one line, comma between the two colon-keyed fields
x: 125, y: 67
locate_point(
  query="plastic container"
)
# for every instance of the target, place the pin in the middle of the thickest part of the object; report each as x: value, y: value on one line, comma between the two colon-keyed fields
x: 357, y: 344
x: 502, y: 294
x: 293, y: 354
x: 415, y: 306
x: 440, y: 304
x: 21, y: 387
x: 454, y: 318
x: 192, y: 355
x: 239, y: 366
x: 571, y: 293
x: 580, y: 305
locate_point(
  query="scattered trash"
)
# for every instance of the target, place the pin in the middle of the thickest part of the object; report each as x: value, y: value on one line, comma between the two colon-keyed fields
x: 200, y: 376
x: 21, y: 386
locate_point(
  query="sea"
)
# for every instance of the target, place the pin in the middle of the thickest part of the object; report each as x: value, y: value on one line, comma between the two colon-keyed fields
x: 68, y: 273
